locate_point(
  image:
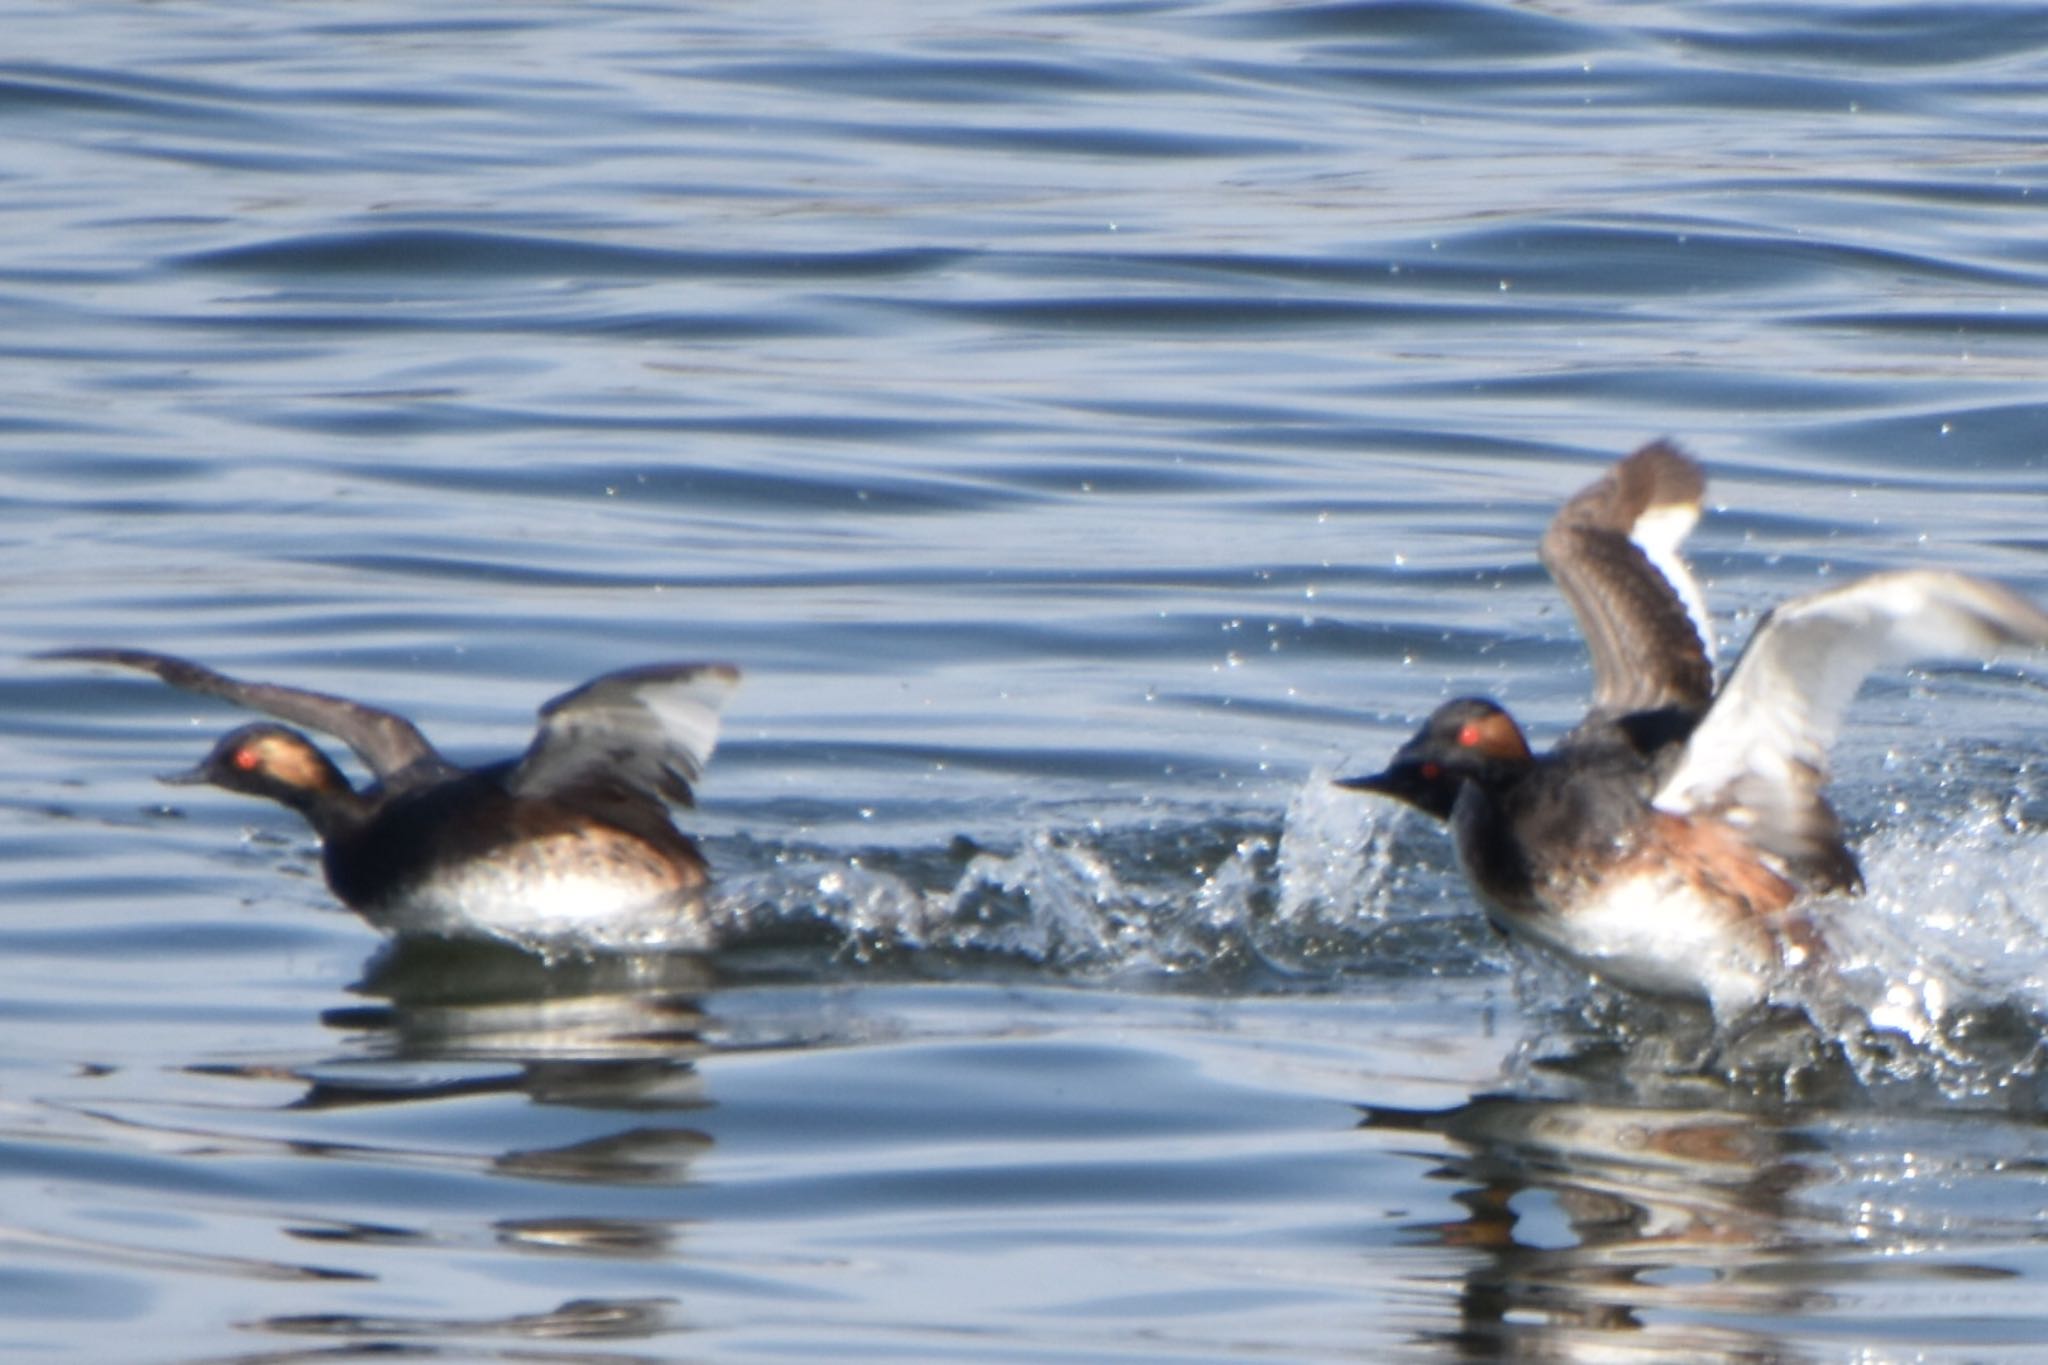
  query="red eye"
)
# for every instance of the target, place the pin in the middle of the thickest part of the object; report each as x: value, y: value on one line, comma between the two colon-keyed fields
x: 1431, y: 772
x: 246, y: 760
x: 1469, y: 736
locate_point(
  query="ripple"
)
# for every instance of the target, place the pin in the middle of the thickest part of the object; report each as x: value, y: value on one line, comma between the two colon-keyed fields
x: 426, y: 251
x: 1092, y: 426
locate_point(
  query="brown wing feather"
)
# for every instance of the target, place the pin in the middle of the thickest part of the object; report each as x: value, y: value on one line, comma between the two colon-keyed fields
x: 1647, y: 651
x: 388, y: 743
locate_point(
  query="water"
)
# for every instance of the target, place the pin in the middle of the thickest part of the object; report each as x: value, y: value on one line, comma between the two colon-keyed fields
x: 1091, y: 427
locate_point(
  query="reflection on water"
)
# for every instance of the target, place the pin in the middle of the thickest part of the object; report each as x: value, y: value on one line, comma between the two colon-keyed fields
x: 481, y: 999
x: 1630, y: 1181
x: 1590, y: 1228
x: 576, y: 1320
x: 1650, y: 1181
x: 632, y: 1148
x: 1588, y: 1221
x: 614, y: 1034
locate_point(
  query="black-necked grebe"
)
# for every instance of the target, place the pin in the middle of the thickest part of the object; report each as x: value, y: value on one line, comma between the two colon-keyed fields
x: 1668, y: 841
x: 569, y: 844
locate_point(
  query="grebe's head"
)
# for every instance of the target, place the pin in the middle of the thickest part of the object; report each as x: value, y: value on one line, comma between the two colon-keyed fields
x: 274, y: 762
x: 1471, y: 739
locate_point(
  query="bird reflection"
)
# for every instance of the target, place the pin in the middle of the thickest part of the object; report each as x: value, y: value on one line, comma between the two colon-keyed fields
x: 617, y: 1038
x: 475, y: 999
x: 1588, y: 1217
x: 604, y: 1033
x: 614, y: 1034
x: 574, y: 1320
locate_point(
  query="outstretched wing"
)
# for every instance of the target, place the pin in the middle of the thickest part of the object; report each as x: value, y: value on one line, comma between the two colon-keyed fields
x: 1760, y: 757
x: 648, y: 730
x: 1614, y: 551
x: 388, y: 743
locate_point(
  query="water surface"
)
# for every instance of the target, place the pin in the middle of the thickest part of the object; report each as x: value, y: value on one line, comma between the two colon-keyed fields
x: 1091, y: 427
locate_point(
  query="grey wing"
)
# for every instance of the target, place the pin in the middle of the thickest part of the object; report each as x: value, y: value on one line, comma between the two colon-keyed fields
x: 387, y: 743
x: 1614, y: 551
x: 1760, y: 757
x: 649, y: 729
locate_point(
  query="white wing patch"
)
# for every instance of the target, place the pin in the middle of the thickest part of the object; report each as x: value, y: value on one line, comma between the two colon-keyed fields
x: 1658, y: 533
x: 1773, y: 723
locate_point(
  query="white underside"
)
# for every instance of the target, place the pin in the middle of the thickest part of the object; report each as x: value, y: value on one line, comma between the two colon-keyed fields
x: 565, y: 910
x: 1657, y: 935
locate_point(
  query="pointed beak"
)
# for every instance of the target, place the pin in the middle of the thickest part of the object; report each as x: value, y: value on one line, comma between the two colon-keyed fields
x: 1383, y: 783
x: 195, y: 776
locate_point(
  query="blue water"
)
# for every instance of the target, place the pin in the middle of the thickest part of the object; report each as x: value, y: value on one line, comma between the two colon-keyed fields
x: 1091, y: 427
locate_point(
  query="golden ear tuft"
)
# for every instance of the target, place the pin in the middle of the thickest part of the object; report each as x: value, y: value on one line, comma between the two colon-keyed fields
x: 292, y: 762
x: 1496, y: 736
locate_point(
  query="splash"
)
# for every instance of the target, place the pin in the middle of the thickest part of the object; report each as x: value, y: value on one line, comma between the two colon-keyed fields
x: 1336, y: 863
x: 1186, y: 898
x: 1934, y: 983
x: 1942, y: 968
x: 1156, y: 899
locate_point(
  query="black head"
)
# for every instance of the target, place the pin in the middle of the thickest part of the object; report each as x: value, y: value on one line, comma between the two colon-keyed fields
x: 274, y: 762
x: 1467, y: 740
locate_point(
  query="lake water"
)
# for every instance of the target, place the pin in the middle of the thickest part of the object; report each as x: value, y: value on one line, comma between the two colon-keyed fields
x: 1091, y: 426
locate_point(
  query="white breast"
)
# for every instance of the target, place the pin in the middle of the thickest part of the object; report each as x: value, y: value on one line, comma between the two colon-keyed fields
x: 1657, y: 934
x: 551, y: 894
